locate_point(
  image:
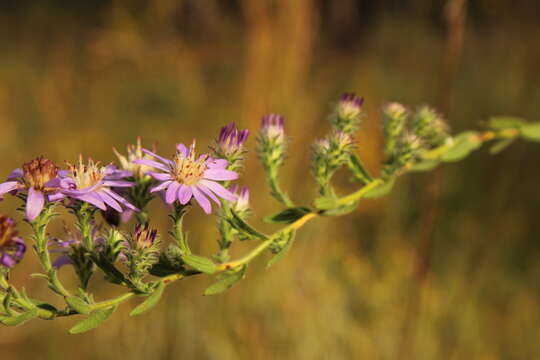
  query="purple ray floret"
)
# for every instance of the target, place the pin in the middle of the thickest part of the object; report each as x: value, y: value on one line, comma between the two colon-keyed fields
x: 189, y: 176
x: 12, y: 247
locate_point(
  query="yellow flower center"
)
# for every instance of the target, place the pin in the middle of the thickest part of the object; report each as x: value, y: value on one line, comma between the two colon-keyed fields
x: 189, y: 170
x: 86, y: 175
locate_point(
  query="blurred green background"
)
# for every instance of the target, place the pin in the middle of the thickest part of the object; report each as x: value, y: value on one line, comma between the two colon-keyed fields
x: 446, y: 267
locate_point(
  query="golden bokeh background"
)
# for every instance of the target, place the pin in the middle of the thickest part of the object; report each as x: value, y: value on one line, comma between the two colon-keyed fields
x: 446, y: 267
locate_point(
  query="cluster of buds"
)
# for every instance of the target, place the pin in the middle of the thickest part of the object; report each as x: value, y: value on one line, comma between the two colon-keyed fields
x: 141, y: 250
x: 12, y: 247
x: 430, y: 126
x: 230, y: 145
x: 348, y: 113
x: 329, y: 154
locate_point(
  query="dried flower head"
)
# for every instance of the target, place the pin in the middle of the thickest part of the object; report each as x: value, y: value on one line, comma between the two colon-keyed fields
x: 39, y: 178
x: 12, y: 247
x: 134, y: 152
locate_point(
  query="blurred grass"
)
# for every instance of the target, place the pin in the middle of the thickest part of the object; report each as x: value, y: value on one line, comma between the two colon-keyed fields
x: 78, y: 79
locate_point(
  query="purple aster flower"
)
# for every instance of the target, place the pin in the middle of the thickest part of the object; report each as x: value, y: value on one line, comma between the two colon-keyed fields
x: 188, y: 176
x: 39, y: 177
x: 12, y: 247
x: 92, y: 183
x: 231, y: 140
x: 272, y: 127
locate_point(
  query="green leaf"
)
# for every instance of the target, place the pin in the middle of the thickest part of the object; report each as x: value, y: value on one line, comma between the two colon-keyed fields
x: 93, y: 320
x: 463, y: 145
x: 226, y: 281
x: 505, y: 122
x: 500, y: 145
x: 284, y: 250
x: 531, y: 131
x: 200, y: 263
x: 240, y: 225
x: 381, y: 190
x: 425, y: 165
x: 342, y: 210
x: 79, y: 305
x: 289, y: 215
x: 19, y: 319
x: 326, y: 202
x: 358, y: 169
x: 150, y: 302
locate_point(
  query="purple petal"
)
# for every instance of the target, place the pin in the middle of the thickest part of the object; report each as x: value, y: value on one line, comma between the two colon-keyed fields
x: 118, y: 183
x: 160, y: 158
x: 160, y: 176
x: 34, y: 203
x: 8, y: 186
x: 7, y: 261
x: 208, y: 193
x: 61, y: 261
x: 181, y: 148
x: 202, y: 200
x: 93, y: 199
x: 15, y: 174
x: 107, y: 199
x: 220, y: 174
x: 151, y: 163
x: 184, y: 194
x: 120, y: 199
x: 218, y: 189
x: 172, y: 192
x: 161, y: 186
x: 217, y: 164
x: 56, y: 196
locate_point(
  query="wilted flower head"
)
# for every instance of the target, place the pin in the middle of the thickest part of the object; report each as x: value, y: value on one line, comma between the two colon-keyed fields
x: 90, y: 182
x: 12, y: 247
x: 348, y: 113
x: 188, y: 175
x: 134, y: 152
x: 230, y: 141
x: 39, y: 177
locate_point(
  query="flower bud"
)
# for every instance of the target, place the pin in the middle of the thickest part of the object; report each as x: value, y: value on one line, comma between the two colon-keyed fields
x: 394, y: 120
x: 348, y: 113
x: 430, y: 126
x: 241, y: 204
x: 230, y: 145
x: 272, y: 141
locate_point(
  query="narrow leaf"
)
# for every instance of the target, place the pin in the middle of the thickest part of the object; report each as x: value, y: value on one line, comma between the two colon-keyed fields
x: 79, y: 305
x: 200, y: 263
x: 531, y: 131
x: 288, y: 216
x: 19, y: 319
x: 505, y: 122
x: 425, y: 165
x: 500, y: 146
x: 463, y: 145
x: 281, y: 254
x: 358, y: 169
x: 243, y: 227
x: 150, y: 302
x: 92, y: 321
x: 381, y: 190
x: 342, y: 210
x: 226, y: 281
